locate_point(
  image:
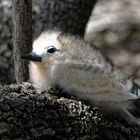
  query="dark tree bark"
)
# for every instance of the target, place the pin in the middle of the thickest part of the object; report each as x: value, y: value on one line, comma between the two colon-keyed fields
x: 27, y: 115
x: 22, y: 36
x: 67, y: 15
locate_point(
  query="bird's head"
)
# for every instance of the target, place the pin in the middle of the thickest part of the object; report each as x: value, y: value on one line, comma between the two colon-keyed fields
x: 56, y: 46
x: 45, y: 47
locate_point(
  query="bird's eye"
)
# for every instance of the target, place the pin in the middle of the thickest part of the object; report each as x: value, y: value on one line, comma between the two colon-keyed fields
x: 51, y: 49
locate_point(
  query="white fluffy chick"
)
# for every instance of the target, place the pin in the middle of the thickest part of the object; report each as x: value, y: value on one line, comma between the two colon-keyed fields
x: 79, y: 69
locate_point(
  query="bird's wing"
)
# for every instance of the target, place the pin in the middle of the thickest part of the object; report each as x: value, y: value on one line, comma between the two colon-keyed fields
x: 88, y: 81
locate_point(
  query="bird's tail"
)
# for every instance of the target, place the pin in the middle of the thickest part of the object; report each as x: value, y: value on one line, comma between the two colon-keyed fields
x: 135, y: 107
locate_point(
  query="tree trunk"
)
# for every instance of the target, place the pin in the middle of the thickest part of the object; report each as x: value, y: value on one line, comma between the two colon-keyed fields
x: 67, y: 15
x: 22, y: 36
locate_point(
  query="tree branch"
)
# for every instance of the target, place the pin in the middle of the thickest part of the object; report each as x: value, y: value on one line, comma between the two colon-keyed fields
x: 22, y: 36
x: 26, y: 114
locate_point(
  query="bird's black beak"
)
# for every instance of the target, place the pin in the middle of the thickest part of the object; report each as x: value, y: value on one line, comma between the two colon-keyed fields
x: 32, y: 57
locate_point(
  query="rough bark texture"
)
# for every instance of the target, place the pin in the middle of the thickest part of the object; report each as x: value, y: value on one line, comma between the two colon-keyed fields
x: 22, y: 36
x: 69, y: 16
x: 27, y: 115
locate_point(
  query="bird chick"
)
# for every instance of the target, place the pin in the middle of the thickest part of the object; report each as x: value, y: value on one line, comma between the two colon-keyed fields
x: 79, y: 69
